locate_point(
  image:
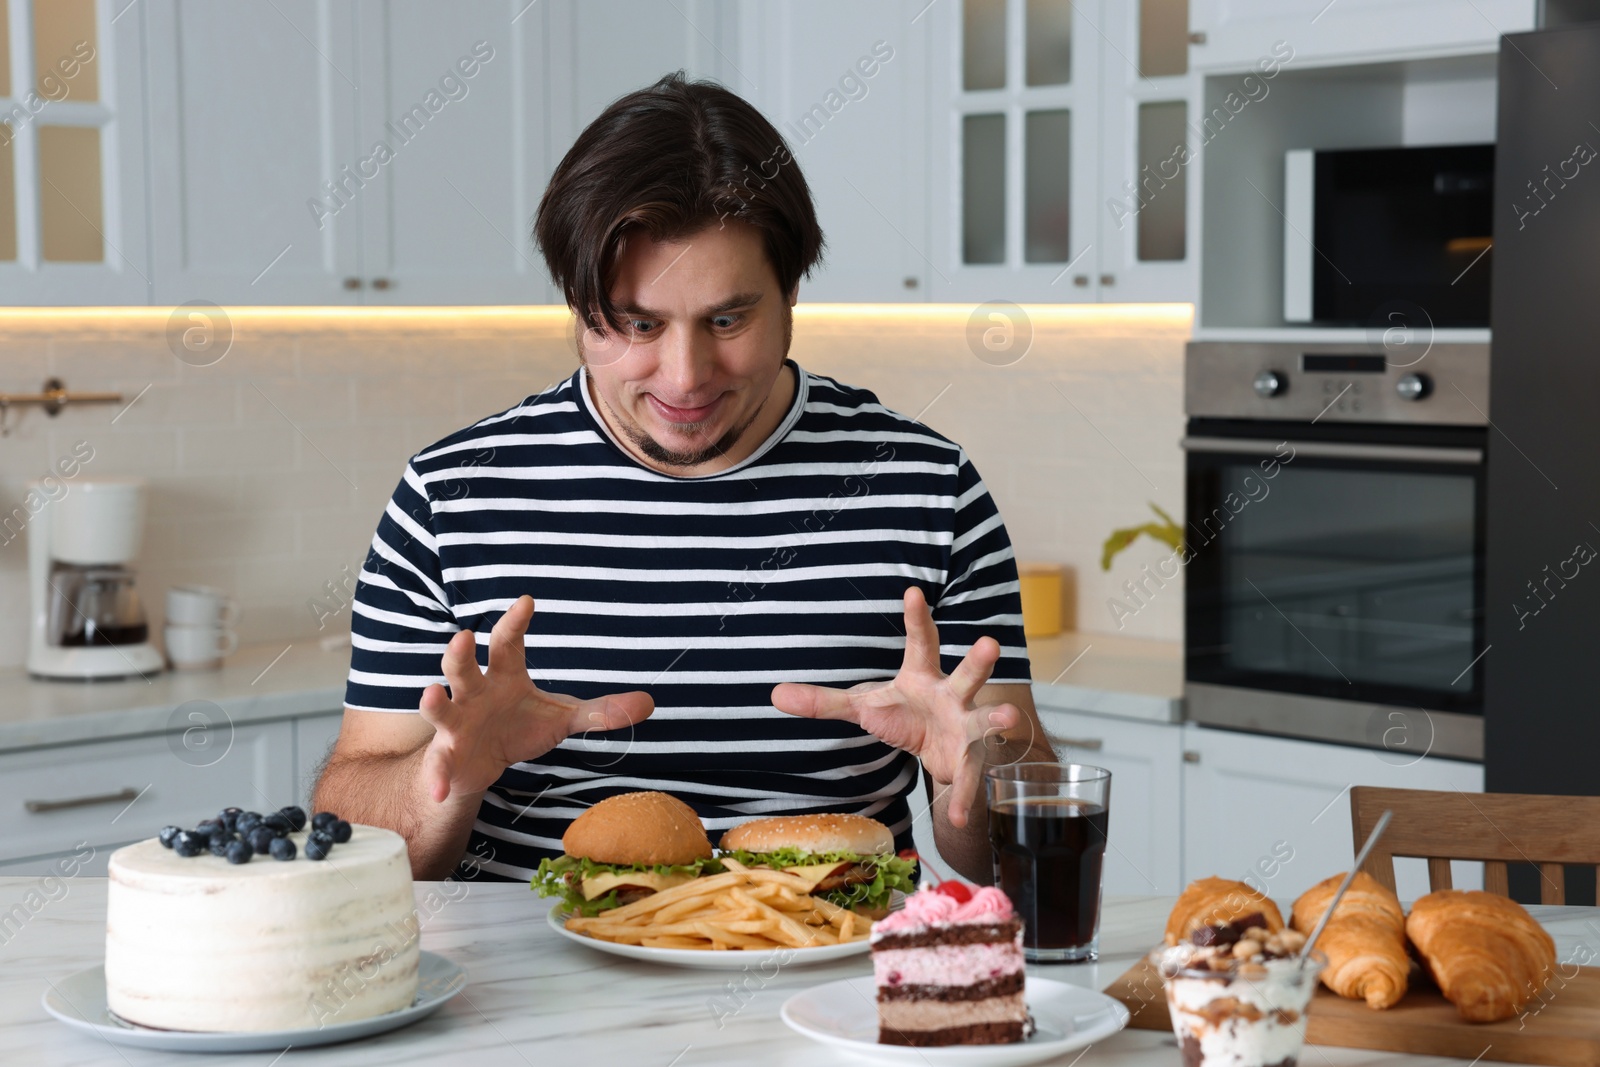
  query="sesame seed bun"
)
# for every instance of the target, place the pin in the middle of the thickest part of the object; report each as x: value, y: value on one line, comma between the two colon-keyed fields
x: 629, y: 828
x: 812, y: 833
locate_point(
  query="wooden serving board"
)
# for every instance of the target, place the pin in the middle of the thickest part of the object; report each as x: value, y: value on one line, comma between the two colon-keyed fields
x: 1561, y: 1027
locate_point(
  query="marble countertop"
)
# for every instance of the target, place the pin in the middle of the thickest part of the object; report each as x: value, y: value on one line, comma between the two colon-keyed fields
x: 256, y: 682
x: 534, y: 998
x: 1104, y: 674
x: 1109, y: 674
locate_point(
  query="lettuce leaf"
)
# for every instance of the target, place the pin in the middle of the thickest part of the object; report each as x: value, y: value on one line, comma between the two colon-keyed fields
x: 563, y: 877
x: 888, y: 873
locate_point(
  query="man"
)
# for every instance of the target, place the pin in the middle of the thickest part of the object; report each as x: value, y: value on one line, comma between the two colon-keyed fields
x: 756, y: 588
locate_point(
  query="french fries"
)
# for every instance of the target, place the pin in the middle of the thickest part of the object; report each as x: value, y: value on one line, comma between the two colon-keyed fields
x: 750, y: 909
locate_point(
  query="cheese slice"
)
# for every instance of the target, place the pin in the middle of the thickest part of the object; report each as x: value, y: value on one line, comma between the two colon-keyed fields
x: 598, y: 885
x: 815, y: 873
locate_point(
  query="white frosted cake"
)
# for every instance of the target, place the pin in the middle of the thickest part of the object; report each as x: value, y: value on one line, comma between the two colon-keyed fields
x: 198, y: 943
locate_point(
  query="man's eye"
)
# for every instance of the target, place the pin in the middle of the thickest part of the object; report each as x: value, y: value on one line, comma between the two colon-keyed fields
x: 641, y: 325
x: 725, y: 322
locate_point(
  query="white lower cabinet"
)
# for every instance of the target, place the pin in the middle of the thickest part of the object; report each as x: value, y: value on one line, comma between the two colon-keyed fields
x: 1276, y: 813
x: 54, y: 801
x: 1145, y: 759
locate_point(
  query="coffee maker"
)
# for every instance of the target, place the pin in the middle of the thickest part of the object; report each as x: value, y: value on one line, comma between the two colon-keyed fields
x: 85, y: 618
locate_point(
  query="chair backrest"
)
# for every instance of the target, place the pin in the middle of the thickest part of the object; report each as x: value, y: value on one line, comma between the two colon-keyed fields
x: 1497, y: 828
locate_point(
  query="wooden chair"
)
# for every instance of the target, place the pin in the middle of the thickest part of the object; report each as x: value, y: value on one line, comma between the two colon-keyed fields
x: 1497, y: 828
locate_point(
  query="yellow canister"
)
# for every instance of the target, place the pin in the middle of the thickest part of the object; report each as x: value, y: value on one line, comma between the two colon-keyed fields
x: 1043, y: 598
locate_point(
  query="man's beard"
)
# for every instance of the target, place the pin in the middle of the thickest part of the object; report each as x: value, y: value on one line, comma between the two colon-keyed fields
x: 668, y: 457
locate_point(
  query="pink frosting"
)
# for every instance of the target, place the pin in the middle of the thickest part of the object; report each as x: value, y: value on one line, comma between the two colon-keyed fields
x: 947, y: 964
x: 926, y: 907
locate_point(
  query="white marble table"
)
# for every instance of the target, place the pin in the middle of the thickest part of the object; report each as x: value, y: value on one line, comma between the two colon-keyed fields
x: 534, y: 999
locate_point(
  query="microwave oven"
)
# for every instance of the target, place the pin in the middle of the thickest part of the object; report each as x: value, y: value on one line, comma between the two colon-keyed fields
x: 1375, y: 237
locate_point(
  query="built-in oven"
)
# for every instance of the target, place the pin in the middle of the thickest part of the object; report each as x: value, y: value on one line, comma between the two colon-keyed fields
x: 1334, y: 543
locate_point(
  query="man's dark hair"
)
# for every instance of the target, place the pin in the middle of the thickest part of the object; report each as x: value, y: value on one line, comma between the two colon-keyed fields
x: 666, y: 161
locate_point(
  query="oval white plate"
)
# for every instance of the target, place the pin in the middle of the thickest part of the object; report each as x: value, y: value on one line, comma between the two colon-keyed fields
x: 708, y: 959
x: 844, y: 1014
x: 79, y: 1000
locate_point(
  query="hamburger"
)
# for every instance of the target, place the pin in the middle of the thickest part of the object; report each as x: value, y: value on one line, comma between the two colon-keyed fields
x: 623, y: 849
x: 849, y: 860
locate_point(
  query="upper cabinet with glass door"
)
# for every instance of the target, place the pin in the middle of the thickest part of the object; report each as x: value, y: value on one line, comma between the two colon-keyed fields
x: 72, y: 219
x: 1147, y: 154
x: 1015, y: 134
x: 1051, y: 118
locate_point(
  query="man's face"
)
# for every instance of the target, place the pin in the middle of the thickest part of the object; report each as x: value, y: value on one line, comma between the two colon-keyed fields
x: 689, y: 384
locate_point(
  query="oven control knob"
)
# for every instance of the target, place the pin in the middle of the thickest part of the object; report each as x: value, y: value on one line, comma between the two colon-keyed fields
x: 1414, y: 386
x: 1270, y: 383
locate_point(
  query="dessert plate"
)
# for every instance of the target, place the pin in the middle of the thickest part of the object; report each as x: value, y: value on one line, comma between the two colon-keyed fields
x: 709, y: 959
x: 844, y: 1014
x: 79, y: 1000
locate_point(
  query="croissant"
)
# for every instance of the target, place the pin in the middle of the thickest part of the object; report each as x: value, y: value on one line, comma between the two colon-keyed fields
x: 1485, y: 951
x: 1365, y: 941
x: 1213, y: 901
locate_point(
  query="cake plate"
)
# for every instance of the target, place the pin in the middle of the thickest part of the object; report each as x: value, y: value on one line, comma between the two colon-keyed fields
x: 79, y: 1000
x: 844, y: 1014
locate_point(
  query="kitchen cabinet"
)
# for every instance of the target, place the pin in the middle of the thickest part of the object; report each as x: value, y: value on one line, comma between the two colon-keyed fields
x: 846, y: 84
x: 105, y: 793
x: 393, y: 151
x: 1050, y: 120
x: 601, y: 49
x: 379, y: 153
x: 458, y: 91
x: 73, y: 226
x: 1276, y: 812
x: 314, y: 736
x: 1143, y: 853
x: 1234, y: 34
x: 1147, y: 232
x: 244, y: 140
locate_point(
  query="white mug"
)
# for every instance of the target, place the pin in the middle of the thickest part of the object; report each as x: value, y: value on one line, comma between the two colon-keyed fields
x: 199, y: 646
x: 200, y: 605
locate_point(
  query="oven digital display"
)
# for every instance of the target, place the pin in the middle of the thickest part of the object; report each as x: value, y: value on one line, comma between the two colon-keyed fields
x: 1337, y: 363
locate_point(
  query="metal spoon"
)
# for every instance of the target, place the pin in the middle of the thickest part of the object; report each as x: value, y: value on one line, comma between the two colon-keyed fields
x: 1372, y: 839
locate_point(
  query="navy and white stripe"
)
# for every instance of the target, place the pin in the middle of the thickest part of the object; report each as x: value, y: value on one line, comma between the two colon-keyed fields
x: 704, y: 591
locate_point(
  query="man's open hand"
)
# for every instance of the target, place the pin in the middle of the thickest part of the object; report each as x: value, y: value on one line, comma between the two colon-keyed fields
x: 498, y: 717
x: 924, y: 711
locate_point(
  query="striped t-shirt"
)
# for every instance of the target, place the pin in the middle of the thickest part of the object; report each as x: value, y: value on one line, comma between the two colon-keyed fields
x: 705, y: 592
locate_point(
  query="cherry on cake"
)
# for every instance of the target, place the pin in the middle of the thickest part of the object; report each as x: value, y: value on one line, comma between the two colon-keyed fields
x: 206, y: 932
x: 949, y: 969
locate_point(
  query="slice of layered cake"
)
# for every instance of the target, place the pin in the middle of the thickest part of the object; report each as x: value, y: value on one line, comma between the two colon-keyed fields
x: 949, y: 969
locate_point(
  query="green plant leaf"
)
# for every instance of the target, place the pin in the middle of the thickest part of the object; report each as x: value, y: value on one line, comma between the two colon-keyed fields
x: 1167, y: 532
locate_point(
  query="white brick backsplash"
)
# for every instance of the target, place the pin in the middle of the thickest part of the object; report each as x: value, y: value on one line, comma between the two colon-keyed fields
x: 258, y: 499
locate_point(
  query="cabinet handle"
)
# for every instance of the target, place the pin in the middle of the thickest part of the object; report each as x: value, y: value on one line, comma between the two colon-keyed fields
x: 1197, y: 37
x: 1108, y: 279
x: 1081, y: 281
x: 352, y: 283
x: 125, y: 795
x: 1088, y: 744
x: 1191, y: 756
x: 912, y: 282
x: 381, y: 283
